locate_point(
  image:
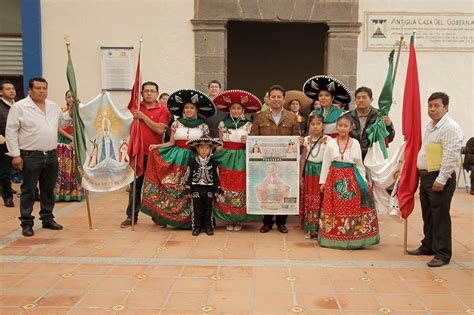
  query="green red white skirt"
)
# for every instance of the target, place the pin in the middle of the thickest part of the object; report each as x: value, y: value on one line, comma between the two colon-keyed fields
x: 67, y: 187
x: 231, y: 206
x: 348, y: 218
x: 311, y: 198
x: 163, y: 186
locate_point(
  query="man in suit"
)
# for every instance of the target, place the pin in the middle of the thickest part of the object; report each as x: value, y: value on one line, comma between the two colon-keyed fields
x: 276, y: 121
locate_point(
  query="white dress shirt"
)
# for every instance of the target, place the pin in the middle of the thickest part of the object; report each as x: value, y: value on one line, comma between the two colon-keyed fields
x: 448, y: 133
x: 353, y: 154
x: 29, y: 128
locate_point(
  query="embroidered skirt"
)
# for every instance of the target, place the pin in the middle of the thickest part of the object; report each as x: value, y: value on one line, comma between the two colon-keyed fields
x: 67, y: 187
x: 311, y: 198
x: 231, y: 206
x: 348, y: 218
x: 163, y: 187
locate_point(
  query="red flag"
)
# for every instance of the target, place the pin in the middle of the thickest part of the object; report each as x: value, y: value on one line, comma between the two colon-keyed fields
x: 135, y: 143
x: 411, y: 128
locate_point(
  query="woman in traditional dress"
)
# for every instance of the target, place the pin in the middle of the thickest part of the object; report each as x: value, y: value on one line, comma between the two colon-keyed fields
x: 327, y: 90
x: 67, y: 188
x: 164, y: 183
x: 348, y: 217
x: 312, y: 154
x: 230, y: 207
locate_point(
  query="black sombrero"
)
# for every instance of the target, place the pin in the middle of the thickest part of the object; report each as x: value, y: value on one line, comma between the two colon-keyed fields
x: 249, y: 102
x: 213, y: 142
x: 178, y: 99
x: 315, y: 84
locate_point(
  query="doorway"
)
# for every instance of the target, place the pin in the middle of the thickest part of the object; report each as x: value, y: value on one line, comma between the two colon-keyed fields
x: 260, y: 54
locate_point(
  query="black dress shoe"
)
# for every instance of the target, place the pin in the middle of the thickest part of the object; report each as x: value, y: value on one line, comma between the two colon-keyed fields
x: 52, y: 225
x: 196, y: 231
x: 435, y: 262
x: 9, y: 202
x: 27, y: 230
x: 419, y: 251
x: 209, y: 231
x: 282, y: 229
x: 265, y: 228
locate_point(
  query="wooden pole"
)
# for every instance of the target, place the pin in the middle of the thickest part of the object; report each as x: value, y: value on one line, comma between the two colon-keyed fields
x: 398, y: 58
x: 134, y: 186
x: 405, y: 236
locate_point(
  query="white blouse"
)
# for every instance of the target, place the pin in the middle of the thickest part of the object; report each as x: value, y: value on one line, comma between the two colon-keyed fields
x: 181, y: 132
x: 317, y: 153
x: 353, y: 154
x: 234, y: 135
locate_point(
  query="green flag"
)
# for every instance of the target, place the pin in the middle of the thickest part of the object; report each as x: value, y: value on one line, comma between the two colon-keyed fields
x: 377, y: 132
x: 79, y: 141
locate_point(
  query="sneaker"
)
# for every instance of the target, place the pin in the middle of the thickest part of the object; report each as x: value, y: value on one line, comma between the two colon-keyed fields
x: 127, y: 223
x: 229, y: 227
x: 237, y: 227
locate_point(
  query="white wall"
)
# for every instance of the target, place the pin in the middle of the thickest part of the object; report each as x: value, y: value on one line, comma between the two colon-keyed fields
x: 168, y: 42
x: 449, y: 72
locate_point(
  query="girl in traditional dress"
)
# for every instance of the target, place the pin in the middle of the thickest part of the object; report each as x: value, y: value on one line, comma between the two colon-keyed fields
x: 312, y: 154
x: 164, y: 184
x: 233, y: 131
x: 67, y: 188
x: 348, y: 217
x: 327, y: 90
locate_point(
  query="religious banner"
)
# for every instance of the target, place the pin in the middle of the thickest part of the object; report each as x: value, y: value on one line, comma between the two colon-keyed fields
x: 106, y: 132
x: 273, y: 174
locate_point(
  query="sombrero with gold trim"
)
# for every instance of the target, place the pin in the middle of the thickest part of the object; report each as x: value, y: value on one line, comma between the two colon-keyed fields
x: 213, y: 142
x: 249, y: 102
x: 315, y: 84
x: 178, y: 99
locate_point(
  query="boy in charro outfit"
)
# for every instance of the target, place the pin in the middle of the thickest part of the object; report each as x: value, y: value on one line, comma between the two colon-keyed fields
x: 203, y: 183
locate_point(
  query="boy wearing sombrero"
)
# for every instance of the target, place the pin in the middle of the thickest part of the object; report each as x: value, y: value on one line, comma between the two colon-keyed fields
x: 202, y: 182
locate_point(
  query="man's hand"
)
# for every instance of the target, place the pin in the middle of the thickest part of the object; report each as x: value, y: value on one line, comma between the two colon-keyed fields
x: 17, y: 163
x: 139, y: 115
x: 386, y: 120
x: 437, y: 186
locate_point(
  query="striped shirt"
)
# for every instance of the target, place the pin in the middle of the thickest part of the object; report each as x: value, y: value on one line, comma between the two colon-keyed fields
x: 448, y: 133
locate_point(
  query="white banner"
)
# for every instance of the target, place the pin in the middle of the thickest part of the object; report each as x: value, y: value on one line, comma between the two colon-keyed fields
x: 106, y: 132
x: 273, y: 174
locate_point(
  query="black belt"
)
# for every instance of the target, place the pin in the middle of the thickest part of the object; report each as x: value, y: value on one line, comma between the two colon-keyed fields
x: 424, y: 173
x: 37, y: 152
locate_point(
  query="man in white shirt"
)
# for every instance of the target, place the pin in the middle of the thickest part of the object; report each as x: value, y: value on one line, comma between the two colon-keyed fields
x: 6, y: 102
x: 31, y: 137
x: 437, y: 187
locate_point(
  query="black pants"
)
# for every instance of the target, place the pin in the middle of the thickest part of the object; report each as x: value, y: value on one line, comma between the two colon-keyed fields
x: 201, y: 214
x: 39, y: 167
x: 280, y: 220
x: 436, y: 218
x: 5, y: 169
x: 138, y: 193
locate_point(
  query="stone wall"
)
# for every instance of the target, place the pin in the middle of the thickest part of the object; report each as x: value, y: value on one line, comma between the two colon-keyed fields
x: 210, y: 36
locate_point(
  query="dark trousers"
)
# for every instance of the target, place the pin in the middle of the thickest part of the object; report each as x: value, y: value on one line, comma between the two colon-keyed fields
x: 201, y: 214
x: 39, y: 167
x: 5, y: 169
x: 436, y: 218
x: 280, y: 220
x: 138, y: 193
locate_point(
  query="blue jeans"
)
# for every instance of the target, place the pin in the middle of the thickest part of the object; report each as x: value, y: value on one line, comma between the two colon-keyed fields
x: 39, y: 167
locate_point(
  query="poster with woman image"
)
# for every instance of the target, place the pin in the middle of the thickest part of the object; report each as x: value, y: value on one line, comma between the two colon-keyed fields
x: 273, y: 174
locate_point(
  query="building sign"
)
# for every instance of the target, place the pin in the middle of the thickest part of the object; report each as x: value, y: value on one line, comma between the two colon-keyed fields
x: 434, y: 32
x: 117, y: 68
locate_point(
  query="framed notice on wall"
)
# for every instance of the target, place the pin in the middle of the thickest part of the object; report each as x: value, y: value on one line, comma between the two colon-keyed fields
x: 117, y: 68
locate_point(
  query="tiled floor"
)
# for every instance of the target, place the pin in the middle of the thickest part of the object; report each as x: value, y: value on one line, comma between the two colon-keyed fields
x: 108, y: 270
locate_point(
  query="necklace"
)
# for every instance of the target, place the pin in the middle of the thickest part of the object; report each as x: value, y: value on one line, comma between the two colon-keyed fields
x: 345, y: 147
x: 315, y: 144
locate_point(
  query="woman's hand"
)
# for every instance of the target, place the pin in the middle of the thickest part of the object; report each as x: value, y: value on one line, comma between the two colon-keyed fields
x: 243, y: 139
x: 321, y: 188
x: 154, y: 147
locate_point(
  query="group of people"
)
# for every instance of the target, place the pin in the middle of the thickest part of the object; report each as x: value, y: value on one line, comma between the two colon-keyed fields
x: 198, y: 173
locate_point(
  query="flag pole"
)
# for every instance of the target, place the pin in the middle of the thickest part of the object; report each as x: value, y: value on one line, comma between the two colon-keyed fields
x: 86, y: 192
x: 400, y: 44
x: 134, y: 189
